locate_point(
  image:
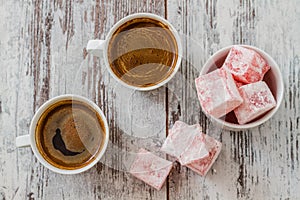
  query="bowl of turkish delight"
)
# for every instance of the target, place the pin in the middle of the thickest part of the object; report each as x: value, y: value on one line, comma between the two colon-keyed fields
x: 240, y: 87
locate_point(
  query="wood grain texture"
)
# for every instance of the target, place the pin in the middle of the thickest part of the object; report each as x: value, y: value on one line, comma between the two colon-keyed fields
x: 43, y: 55
x: 46, y: 55
x: 261, y: 163
x: 120, y: 107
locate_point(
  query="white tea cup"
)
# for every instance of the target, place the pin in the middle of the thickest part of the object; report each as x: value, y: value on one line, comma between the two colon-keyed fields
x: 99, y: 48
x: 30, y: 139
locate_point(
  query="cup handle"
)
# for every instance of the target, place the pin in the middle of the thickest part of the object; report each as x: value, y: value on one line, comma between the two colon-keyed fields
x: 23, y: 141
x: 95, y: 47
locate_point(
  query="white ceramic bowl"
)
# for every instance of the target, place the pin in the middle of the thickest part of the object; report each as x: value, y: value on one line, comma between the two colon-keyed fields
x: 273, y: 78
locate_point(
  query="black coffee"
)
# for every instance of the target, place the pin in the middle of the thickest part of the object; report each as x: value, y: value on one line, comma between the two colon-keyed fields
x: 70, y: 134
x: 142, y: 52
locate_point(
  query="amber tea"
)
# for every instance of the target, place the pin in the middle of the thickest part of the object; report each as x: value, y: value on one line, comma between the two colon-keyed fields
x: 70, y: 134
x: 142, y: 52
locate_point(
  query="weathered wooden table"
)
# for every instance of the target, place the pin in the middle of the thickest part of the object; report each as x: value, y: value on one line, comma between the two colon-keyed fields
x: 43, y: 44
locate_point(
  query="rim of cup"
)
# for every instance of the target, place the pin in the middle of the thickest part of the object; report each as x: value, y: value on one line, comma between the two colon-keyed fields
x: 143, y: 15
x: 217, y: 59
x: 37, y: 116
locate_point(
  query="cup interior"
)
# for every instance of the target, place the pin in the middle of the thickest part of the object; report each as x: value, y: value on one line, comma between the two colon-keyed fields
x: 273, y: 79
x: 34, y: 124
x: 150, y: 16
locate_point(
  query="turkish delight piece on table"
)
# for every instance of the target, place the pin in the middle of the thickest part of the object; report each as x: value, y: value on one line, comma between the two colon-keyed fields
x: 201, y: 155
x: 194, y: 151
x: 218, y: 93
x: 258, y: 99
x: 246, y: 65
x: 150, y: 168
x: 179, y: 138
x: 191, y: 147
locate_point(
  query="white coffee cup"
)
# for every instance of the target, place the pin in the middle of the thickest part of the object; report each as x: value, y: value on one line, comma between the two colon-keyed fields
x: 99, y: 48
x: 30, y: 140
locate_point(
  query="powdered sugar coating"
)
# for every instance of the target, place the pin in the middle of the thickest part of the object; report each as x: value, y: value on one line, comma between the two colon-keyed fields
x: 246, y: 65
x: 204, y: 163
x: 218, y: 93
x: 195, y: 151
x: 179, y: 138
x: 198, y: 152
x: 150, y: 168
x: 258, y: 99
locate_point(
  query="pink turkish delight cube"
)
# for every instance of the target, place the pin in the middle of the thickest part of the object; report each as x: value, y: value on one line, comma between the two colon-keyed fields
x: 218, y: 93
x: 201, y: 155
x: 246, y: 65
x: 191, y: 147
x: 258, y: 99
x: 196, y: 150
x: 150, y: 168
x: 179, y: 138
x: 239, y: 84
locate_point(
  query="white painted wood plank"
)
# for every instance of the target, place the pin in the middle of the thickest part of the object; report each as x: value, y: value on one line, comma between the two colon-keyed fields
x: 45, y: 43
x: 262, y: 163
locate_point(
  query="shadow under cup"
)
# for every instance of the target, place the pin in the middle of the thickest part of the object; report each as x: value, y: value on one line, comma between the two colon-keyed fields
x: 143, y: 52
x: 70, y: 134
